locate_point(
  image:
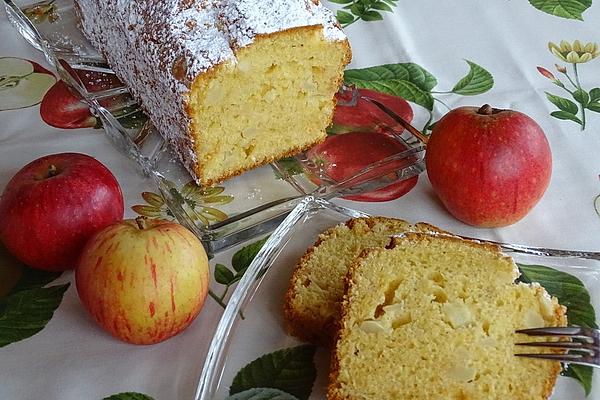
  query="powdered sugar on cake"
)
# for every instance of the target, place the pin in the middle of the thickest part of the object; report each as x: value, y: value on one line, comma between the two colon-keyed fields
x: 157, y: 48
x: 248, y: 18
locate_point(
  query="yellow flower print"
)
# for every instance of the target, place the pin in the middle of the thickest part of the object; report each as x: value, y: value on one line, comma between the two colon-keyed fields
x: 575, y: 53
x: 197, y: 202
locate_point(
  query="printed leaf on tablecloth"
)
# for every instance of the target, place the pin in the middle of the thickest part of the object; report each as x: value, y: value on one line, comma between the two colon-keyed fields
x: 27, y: 306
x: 566, y: 116
x: 242, y: 259
x: 582, y: 374
x: 291, y: 370
x: 477, y: 81
x: 576, y: 53
x: 129, y: 396
x: 407, y: 80
x: 571, y: 9
x: 582, y: 97
x: 240, y: 262
x: 563, y: 104
x: 414, y: 83
x: 365, y: 10
x: 262, y: 394
x: 223, y: 275
x: 571, y: 293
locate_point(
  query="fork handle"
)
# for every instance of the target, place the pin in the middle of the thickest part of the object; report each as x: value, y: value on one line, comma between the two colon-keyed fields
x: 540, y: 251
x: 536, y: 251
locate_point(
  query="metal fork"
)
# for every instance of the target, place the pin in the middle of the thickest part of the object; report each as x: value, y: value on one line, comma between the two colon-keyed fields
x: 583, y: 347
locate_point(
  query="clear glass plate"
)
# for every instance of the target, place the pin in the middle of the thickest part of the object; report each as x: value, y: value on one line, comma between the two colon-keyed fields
x: 260, y: 294
x: 238, y: 209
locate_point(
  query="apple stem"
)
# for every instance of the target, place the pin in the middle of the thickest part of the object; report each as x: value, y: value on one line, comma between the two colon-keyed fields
x: 141, y: 222
x: 52, y: 171
x: 485, y: 109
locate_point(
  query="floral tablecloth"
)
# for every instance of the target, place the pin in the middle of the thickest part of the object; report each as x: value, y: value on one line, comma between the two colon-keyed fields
x: 540, y: 57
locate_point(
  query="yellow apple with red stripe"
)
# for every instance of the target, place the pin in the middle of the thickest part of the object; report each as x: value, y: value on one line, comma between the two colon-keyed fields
x: 143, y: 280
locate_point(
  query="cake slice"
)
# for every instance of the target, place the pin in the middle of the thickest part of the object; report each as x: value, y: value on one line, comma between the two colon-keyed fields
x: 435, y: 318
x: 312, y: 301
x: 231, y: 84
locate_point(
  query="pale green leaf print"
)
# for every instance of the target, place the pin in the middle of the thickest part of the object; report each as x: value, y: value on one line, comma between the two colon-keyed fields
x: 411, y: 72
x: 477, y: 81
x: 582, y: 374
x: 365, y: 10
x: 595, y: 106
x: 344, y: 17
x: 562, y: 103
x: 371, y: 16
x: 407, y: 80
x: 571, y: 9
x: 29, y: 305
x: 291, y: 370
x: 566, y: 116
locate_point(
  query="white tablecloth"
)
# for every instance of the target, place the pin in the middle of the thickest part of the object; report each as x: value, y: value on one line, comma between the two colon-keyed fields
x: 72, y: 358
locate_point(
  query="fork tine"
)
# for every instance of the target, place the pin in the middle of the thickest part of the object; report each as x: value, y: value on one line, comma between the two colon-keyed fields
x: 555, y: 357
x: 551, y: 331
x: 558, y: 345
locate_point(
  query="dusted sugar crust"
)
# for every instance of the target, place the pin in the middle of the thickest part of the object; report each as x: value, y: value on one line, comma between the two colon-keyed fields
x: 158, y: 48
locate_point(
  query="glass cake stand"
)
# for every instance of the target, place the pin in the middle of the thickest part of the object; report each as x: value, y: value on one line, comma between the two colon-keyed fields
x: 240, y: 208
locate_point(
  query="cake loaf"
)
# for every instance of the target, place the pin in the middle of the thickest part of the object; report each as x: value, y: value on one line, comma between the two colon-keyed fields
x: 231, y: 84
x: 312, y: 301
x: 435, y: 318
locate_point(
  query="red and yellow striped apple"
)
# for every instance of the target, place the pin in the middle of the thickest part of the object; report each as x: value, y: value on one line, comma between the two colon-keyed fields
x: 143, y: 280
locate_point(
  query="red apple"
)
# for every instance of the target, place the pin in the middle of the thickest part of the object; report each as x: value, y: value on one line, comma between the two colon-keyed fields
x: 365, y: 116
x: 342, y: 156
x: 53, y: 205
x: 489, y: 167
x: 143, y: 280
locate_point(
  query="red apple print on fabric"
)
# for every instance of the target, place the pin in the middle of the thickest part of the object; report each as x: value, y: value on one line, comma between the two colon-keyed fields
x: 365, y: 115
x: 63, y: 108
x: 23, y: 83
x: 342, y: 156
x: 357, y: 139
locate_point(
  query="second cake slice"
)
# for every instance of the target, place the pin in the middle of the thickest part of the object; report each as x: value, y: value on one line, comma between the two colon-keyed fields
x: 312, y: 301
